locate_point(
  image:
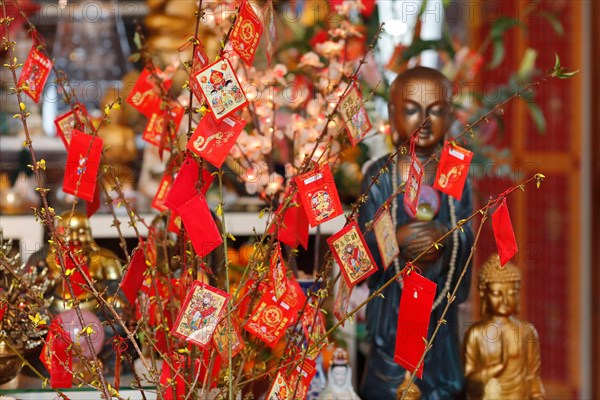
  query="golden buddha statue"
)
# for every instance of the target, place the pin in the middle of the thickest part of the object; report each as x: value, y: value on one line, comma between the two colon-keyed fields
x: 502, y: 352
x: 104, y: 265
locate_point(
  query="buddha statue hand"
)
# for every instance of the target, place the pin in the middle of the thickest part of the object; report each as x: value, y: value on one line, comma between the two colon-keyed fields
x: 416, y: 236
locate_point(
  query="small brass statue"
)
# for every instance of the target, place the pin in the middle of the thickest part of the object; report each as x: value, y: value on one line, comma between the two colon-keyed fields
x: 104, y: 265
x: 502, y: 352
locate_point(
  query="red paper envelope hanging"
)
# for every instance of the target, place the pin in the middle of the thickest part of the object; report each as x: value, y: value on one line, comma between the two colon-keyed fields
x: 352, y: 254
x: 504, y: 234
x: 158, y: 203
x: 184, y: 186
x: 221, y: 339
x: 200, y: 62
x: 221, y: 88
x: 303, y: 374
x: 214, y: 139
x: 200, y: 314
x: 92, y: 206
x: 57, y: 357
x: 453, y: 170
x: 277, y: 273
x: 145, y: 96
x: 280, y: 389
x: 319, y: 195
x: 83, y: 162
x: 200, y: 225
x: 77, y: 118
x: 74, y: 276
x: 342, y: 301
x: 294, y: 229
x: 158, y: 126
x: 246, y: 33
x: 3, y: 307
x: 35, y: 73
x: 416, y: 303
x: 355, y: 115
x: 134, y: 276
x: 413, y: 186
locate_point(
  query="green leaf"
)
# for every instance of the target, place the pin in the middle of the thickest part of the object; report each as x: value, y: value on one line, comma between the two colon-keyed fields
x: 135, y: 57
x: 419, y: 45
x: 502, y: 25
x: 527, y: 64
x: 567, y: 74
x: 553, y: 21
x: 137, y: 40
x: 538, y: 116
x: 498, y: 53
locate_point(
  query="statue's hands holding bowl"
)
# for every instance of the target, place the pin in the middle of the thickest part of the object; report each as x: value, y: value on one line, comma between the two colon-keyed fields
x: 416, y: 236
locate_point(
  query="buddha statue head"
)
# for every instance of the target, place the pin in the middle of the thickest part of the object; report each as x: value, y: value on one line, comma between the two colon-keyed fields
x: 416, y: 94
x: 75, y: 229
x: 499, y: 288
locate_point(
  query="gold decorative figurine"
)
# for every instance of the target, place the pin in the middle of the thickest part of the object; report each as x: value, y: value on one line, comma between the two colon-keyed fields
x: 502, y: 352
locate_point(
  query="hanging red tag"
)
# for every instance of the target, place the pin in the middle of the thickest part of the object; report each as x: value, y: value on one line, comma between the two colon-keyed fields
x: 504, y: 233
x: 3, y: 308
x: 200, y: 314
x: 158, y: 130
x: 352, y: 254
x: 92, y: 206
x: 119, y: 346
x: 145, y: 96
x: 342, y: 300
x: 184, y: 186
x: 200, y: 62
x: 453, y: 170
x: 294, y: 229
x: 83, y: 162
x: 200, y: 225
x: 319, y: 195
x: 355, y: 115
x: 35, y: 73
x: 313, y: 327
x: 385, y: 234
x: 158, y: 203
x: 74, y: 276
x: 171, y: 379
x: 57, y: 356
x: 246, y: 33
x: 221, y: 339
x: 413, y: 186
x: 302, y: 375
x: 277, y: 273
x: 134, y: 275
x: 414, y: 313
x: 221, y: 88
x: 214, y: 139
x: 77, y: 118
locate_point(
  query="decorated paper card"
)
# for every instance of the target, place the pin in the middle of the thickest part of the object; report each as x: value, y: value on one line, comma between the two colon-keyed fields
x: 294, y: 229
x: 277, y: 273
x: 57, y: 356
x: 200, y: 225
x: 34, y: 75
x: 352, y: 254
x: 83, y: 162
x: 279, y: 390
x: 200, y: 313
x: 158, y: 132
x: 213, y: 139
x: 134, y: 275
x: 355, y: 115
x: 453, y: 170
x: 302, y: 375
x: 319, y: 195
x: 246, y: 33
x: 77, y: 118
x: 342, y: 301
x: 200, y: 62
x: 413, y: 321
x: 158, y: 203
x: 504, y: 233
x: 145, y: 96
x: 221, y: 339
x: 221, y: 88
x: 385, y: 234
x: 413, y: 186
x: 184, y: 186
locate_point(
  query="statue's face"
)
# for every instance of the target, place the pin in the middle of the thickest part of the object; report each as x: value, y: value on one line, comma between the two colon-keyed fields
x: 502, y: 299
x: 338, y: 375
x: 415, y: 99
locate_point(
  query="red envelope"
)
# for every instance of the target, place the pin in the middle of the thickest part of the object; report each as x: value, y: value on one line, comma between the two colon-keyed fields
x: 83, y: 162
x: 453, y: 170
x: 413, y: 186
x: 294, y: 229
x: 200, y: 225
x: 93, y: 206
x: 200, y: 62
x: 77, y: 118
x: 158, y: 124
x: 277, y: 273
x: 145, y: 96
x: 220, y: 339
x: 3, y: 308
x: 319, y: 195
x: 78, y: 281
x: 134, y: 276
x: 35, y: 73
x: 57, y: 357
x: 158, y: 203
x: 214, y: 139
x: 416, y: 303
x: 184, y: 186
x: 303, y: 375
x: 352, y: 254
x: 504, y: 233
x: 246, y: 33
